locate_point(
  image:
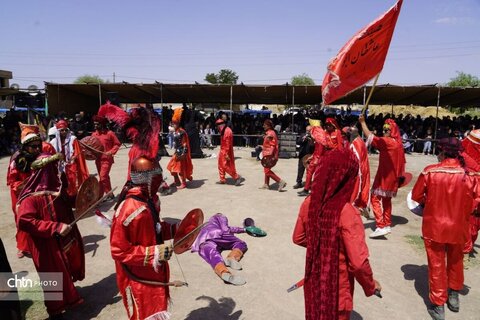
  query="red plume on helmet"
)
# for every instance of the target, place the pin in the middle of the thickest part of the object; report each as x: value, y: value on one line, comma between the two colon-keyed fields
x: 142, y: 126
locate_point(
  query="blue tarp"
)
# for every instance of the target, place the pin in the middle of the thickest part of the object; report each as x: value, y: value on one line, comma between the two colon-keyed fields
x: 4, y: 110
x: 248, y: 111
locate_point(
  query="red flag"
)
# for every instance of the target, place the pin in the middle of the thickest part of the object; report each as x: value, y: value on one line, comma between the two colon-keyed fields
x: 361, y: 58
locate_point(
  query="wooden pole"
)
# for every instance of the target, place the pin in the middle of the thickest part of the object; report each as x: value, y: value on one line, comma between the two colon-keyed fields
x: 365, y: 107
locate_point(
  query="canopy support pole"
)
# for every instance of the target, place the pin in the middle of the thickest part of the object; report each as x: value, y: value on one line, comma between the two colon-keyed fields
x: 436, y: 120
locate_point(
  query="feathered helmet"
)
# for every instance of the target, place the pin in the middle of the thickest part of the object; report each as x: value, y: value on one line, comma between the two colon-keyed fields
x: 142, y: 126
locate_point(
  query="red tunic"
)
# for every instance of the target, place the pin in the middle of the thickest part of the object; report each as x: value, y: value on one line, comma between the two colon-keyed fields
x: 16, y: 180
x: 391, y: 165
x: 334, y: 139
x: 133, y: 242
x: 270, y: 144
x: 226, y: 149
x: 40, y: 215
x: 110, y: 143
x: 183, y: 167
x: 361, y: 193
x: 353, y: 254
x: 448, y: 194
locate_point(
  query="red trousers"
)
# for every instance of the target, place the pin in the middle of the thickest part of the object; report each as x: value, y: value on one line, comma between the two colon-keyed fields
x: 225, y: 166
x: 270, y: 174
x: 103, y: 168
x: 382, y: 209
x: 441, y: 276
x: 474, y: 227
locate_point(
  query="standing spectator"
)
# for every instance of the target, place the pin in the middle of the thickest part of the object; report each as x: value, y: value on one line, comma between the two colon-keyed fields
x: 306, y: 147
x: 448, y: 192
x: 171, y: 131
x: 105, y: 161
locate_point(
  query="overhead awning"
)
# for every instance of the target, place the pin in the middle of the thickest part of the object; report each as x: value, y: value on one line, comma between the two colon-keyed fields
x: 72, y: 98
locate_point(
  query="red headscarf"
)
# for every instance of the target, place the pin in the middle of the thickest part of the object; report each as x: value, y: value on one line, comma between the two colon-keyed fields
x: 333, y: 122
x: 331, y: 189
x: 394, y: 131
x: 62, y: 124
x: 471, y: 147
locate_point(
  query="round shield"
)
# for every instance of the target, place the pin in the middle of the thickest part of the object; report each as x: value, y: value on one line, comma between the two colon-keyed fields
x: 91, y: 147
x: 306, y: 160
x: 268, y: 162
x: 405, y: 179
x: 184, y: 237
x: 414, y: 206
x: 88, y: 193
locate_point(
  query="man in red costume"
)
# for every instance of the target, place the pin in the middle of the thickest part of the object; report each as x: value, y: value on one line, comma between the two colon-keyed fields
x: 320, y: 146
x: 226, y: 158
x: 45, y: 213
x: 448, y: 193
x: 19, y: 170
x: 391, y: 168
x: 334, y: 135
x: 361, y: 192
x: 105, y: 161
x: 75, y: 167
x: 331, y: 229
x: 137, y: 245
x: 180, y: 166
x: 270, y: 149
x: 471, y: 154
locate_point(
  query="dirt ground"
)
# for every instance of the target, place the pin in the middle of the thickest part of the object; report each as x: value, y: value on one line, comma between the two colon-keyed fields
x: 271, y: 265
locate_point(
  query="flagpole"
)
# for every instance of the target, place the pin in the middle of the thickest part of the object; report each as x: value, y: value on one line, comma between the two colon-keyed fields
x: 365, y: 107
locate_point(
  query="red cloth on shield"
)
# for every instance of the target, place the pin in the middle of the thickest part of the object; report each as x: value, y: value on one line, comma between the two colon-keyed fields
x: 226, y: 150
x: 361, y: 58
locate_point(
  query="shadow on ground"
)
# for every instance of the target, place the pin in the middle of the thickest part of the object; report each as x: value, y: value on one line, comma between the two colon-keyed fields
x: 355, y: 316
x: 97, y: 297
x: 419, y: 274
x: 90, y: 242
x: 221, y: 309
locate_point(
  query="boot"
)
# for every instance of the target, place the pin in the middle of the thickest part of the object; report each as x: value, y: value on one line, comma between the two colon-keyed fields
x: 437, y: 312
x: 453, y: 303
x: 303, y: 193
x: 222, y: 271
x: 233, y: 259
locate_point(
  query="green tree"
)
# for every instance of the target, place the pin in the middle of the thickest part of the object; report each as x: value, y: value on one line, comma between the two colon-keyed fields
x: 464, y: 80
x: 302, y: 80
x: 224, y: 76
x: 87, y: 78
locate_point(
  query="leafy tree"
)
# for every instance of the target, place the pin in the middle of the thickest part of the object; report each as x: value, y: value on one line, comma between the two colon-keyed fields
x: 224, y: 76
x: 464, y: 80
x: 87, y: 78
x: 302, y: 80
